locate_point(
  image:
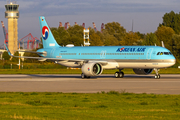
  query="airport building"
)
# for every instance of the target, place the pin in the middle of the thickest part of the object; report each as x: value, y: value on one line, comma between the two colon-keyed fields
x: 12, y: 14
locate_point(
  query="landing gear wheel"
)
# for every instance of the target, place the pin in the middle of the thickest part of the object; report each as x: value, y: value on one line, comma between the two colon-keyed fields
x: 119, y: 75
x: 83, y: 76
x: 157, y: 76
x: 88, y: 77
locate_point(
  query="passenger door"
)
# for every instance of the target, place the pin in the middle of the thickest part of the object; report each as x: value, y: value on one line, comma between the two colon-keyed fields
x: 149, y: 53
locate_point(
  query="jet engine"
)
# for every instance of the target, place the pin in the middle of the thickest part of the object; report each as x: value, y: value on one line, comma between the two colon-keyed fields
x: 143, y: 71
x: 92, y: 69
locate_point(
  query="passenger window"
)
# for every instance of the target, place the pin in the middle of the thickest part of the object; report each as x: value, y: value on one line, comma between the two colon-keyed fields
x: 161, y: 53
x: 158, y: 53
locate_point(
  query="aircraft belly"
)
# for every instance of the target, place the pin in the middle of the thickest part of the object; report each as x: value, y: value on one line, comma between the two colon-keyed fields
x: 163, y: 65
x: 111, y: 65
x: 144, y: 65
x: 115, y: 64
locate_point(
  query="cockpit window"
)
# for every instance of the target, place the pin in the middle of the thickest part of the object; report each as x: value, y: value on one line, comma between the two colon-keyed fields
x: 164, y: 53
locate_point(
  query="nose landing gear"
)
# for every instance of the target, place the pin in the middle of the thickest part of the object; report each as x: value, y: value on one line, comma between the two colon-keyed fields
x: 157, y: 76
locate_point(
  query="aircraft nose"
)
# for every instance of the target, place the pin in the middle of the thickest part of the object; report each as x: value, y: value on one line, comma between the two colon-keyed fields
x: 173, y: 60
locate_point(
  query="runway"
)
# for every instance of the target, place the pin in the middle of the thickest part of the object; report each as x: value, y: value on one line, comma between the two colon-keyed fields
x: 72, y: 83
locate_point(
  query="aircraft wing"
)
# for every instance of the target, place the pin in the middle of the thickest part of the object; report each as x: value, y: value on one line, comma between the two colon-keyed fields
x: 67, y: 60
x: 53, y: 59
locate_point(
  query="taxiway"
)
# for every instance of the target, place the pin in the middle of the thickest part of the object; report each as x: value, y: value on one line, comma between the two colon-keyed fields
x: 70, y: 83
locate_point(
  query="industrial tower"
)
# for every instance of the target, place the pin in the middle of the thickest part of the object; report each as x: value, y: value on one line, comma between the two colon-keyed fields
x: 12, y: 14
x: 86, y: 37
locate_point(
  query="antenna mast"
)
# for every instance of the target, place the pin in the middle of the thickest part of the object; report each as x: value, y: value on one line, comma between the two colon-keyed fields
x: 132, y: 25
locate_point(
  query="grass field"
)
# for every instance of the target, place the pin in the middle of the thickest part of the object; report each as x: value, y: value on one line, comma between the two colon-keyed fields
x: 99, y: 106
x: 74, y: 71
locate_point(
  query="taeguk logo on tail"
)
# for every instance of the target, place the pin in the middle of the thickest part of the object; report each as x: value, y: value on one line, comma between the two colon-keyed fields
x: 45, y: 32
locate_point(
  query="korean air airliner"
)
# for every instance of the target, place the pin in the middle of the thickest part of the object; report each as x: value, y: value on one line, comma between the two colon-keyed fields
x: 94, y: 59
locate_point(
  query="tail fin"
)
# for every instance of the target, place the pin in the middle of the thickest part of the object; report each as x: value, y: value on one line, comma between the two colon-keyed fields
x: 47, y: 37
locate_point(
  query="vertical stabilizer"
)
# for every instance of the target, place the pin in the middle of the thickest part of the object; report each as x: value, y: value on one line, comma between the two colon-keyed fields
x: 47, y: 37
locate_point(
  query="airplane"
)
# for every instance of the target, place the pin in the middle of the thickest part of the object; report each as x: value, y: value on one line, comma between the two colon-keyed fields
x: 94, y: 59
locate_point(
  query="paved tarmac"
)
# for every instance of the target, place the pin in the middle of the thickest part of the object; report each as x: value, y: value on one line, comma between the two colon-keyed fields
x: 69, y: 83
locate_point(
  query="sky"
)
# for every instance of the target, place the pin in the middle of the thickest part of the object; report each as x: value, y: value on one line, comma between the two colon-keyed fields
x: 145, y: 14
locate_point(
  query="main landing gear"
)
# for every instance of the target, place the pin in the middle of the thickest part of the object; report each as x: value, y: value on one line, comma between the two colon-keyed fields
x: 157, y: 76
x: 84, y: 76
x: 119, y: 74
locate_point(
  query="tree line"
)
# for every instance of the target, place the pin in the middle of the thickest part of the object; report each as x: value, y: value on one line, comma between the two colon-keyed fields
x: 116, y: 35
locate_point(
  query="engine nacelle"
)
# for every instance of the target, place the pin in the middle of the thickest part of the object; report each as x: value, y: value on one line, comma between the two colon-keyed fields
x: 143, y: 71
x: 92, y: 69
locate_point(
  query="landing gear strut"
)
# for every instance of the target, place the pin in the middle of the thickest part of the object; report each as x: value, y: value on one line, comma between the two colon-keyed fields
x: 157, y: 76
x: 119, y: 74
